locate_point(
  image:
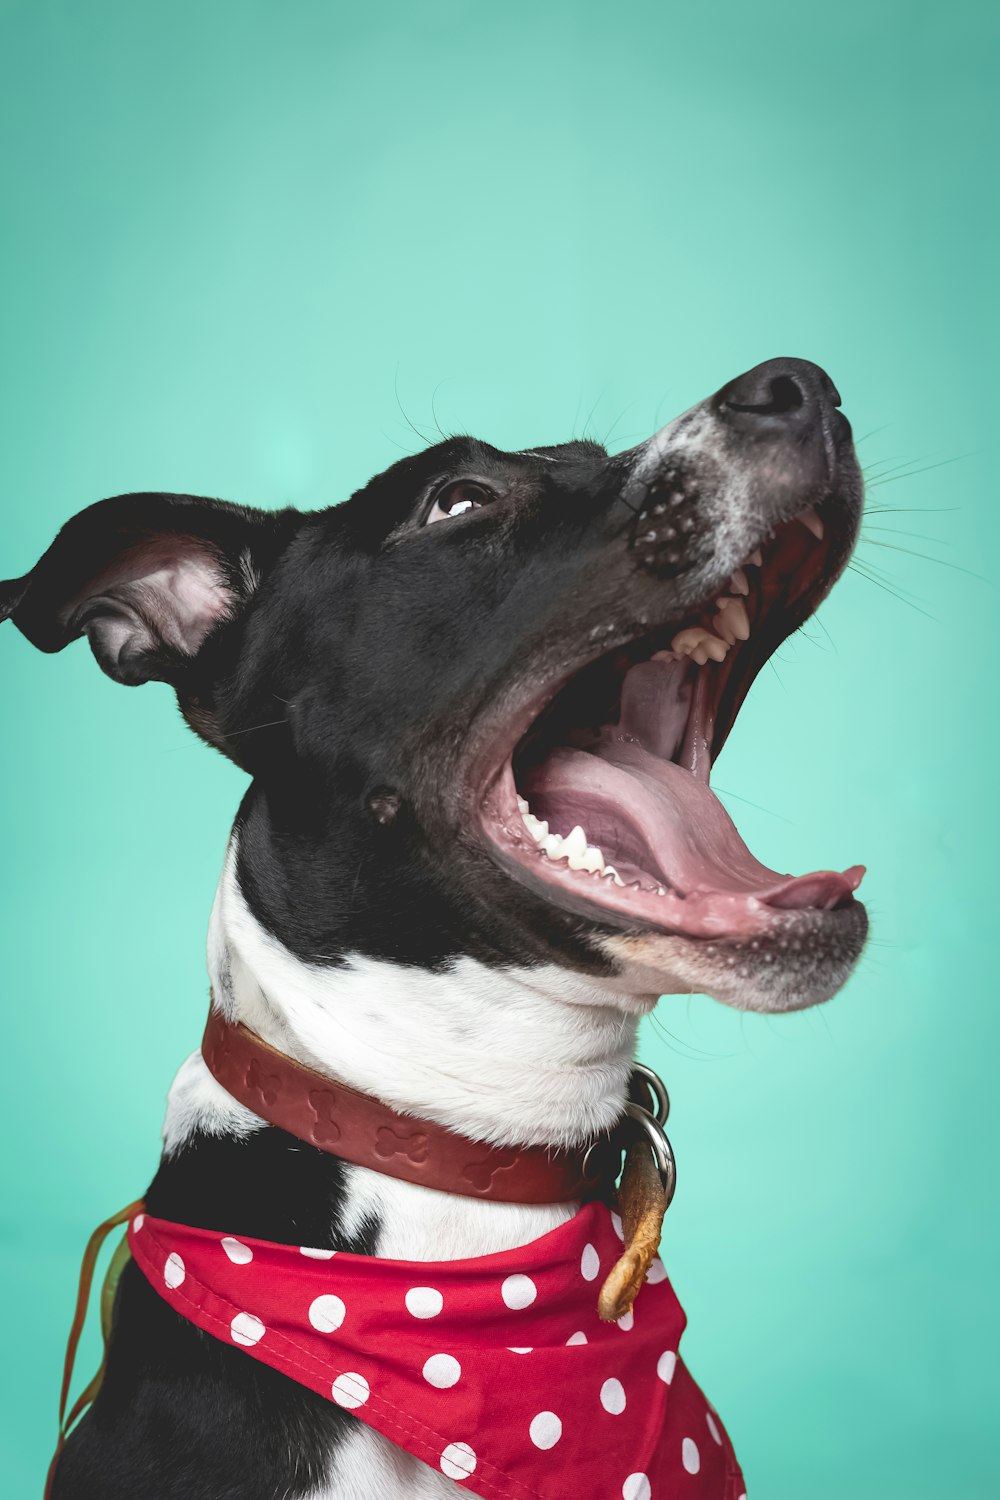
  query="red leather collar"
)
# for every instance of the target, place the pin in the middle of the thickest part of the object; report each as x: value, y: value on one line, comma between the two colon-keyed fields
x: 361, y: 1129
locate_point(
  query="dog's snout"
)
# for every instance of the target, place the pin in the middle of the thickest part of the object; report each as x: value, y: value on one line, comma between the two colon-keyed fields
x: 780, y: 392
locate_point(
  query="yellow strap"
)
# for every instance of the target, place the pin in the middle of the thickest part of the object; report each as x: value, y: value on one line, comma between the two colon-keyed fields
x: 87, y: 1269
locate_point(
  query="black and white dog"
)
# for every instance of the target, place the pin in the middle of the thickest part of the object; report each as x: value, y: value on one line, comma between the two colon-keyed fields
x: 478, y: 704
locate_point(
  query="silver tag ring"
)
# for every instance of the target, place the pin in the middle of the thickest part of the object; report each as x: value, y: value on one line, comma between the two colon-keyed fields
x: 663, y: 1152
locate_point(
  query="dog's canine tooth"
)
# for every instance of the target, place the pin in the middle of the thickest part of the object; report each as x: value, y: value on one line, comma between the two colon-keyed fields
x: 575, y: 841
x: 738, y: 582
x: 575, y: 847
x: 732, y: 622
x: 812, y: 522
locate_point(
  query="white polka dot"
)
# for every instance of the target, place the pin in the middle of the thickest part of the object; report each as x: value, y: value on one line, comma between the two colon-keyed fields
x: 173, y: 1271
x: 238, y: 1253
x: 713, y: 1428
x: 617, y: 1223
x: 518, y: 1291
x: 350, y: 1390
x: 522, y: 1349
x: 458, y: 1461
x: 327, y: 1313
x: 657, y: 1272
x: 666, y: 1365
x: 316, y: 1254
x: 636, y: 1487
x: 545, y: 1430
x: 576, y: 1338
x: 138, y: 1222
x: 590, y: 1263
x: 626, y: 1321
x: 743, y: 1496
x: 423, y: 1302
x: 613, y: 1396
x: 690, y: 1457
x: 246, y: 1329
x: 442, y: 1370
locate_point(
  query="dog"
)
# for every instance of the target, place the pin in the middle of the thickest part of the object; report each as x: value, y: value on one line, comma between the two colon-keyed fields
x: 478, y: 704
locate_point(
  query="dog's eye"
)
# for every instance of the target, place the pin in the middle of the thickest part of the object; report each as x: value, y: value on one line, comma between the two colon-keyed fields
x: 456, y: 498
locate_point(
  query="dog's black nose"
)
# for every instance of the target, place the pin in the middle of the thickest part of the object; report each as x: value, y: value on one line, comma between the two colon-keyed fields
x: 786, y: 392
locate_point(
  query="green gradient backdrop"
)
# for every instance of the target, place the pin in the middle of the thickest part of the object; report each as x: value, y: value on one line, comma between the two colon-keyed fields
x: 231, y: 230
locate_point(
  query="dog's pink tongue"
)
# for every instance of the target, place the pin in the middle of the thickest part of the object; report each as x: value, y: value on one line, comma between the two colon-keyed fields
x: 624, y: 791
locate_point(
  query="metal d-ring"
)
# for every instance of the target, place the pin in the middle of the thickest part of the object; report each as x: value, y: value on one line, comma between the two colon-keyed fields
x: 663, y: 1152
x: 657, y: 1089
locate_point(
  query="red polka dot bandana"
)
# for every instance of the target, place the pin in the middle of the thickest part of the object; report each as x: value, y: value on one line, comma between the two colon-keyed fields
x: 495, y: 1371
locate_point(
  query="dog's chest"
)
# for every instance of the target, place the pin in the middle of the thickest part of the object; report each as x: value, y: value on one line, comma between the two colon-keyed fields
x: 421, y: 1225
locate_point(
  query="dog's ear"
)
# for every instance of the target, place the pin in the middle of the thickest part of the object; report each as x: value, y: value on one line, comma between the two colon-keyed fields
x: 149, y: 579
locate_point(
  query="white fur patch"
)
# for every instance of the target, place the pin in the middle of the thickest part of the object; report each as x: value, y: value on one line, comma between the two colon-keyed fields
x: 197, y: 1102
x: 505, y: 1055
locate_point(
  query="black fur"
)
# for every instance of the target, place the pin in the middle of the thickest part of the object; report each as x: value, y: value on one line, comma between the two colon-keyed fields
x: 181, y: 1414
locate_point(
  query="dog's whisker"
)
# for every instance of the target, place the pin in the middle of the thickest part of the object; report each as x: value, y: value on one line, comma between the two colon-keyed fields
x: 411, y: 425
x: 911, y: 510
x: 893, y: 477
x: 863, y: 572
x: 872, y: 432
x: 925, y: 557
x: 917, y: 536
x: 758, y: 805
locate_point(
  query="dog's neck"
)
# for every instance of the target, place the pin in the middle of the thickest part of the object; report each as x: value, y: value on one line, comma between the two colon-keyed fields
x: 530, y: 1056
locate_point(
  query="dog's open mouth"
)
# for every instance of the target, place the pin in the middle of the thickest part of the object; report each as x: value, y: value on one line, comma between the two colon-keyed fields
x: 605, y: 802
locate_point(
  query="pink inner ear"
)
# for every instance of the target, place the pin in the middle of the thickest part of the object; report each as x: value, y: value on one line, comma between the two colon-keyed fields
x: 173, y: 589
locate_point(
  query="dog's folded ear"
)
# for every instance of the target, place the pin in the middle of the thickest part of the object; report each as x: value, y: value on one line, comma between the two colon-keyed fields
x: 149, y: 579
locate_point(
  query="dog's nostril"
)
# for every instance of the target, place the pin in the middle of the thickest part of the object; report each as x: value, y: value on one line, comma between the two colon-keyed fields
x: 784, y: 395
x: 786, y: 390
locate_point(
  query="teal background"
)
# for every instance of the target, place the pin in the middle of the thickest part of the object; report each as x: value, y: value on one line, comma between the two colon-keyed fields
x: 233, y: 233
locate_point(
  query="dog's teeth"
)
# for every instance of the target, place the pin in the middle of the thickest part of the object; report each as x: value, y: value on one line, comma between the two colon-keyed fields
x: 812, y: 522
x: 537, y: 827
x: 610, y: 873
x: 732, y: 622
x: 755, y: 560
x: 738, y: 582
x: 661, y: 890
x: 575, y: 847
x: 699, y: 644
x: 575, y: 841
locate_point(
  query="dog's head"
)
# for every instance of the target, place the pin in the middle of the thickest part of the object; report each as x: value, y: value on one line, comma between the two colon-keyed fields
x: 479, y: 701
